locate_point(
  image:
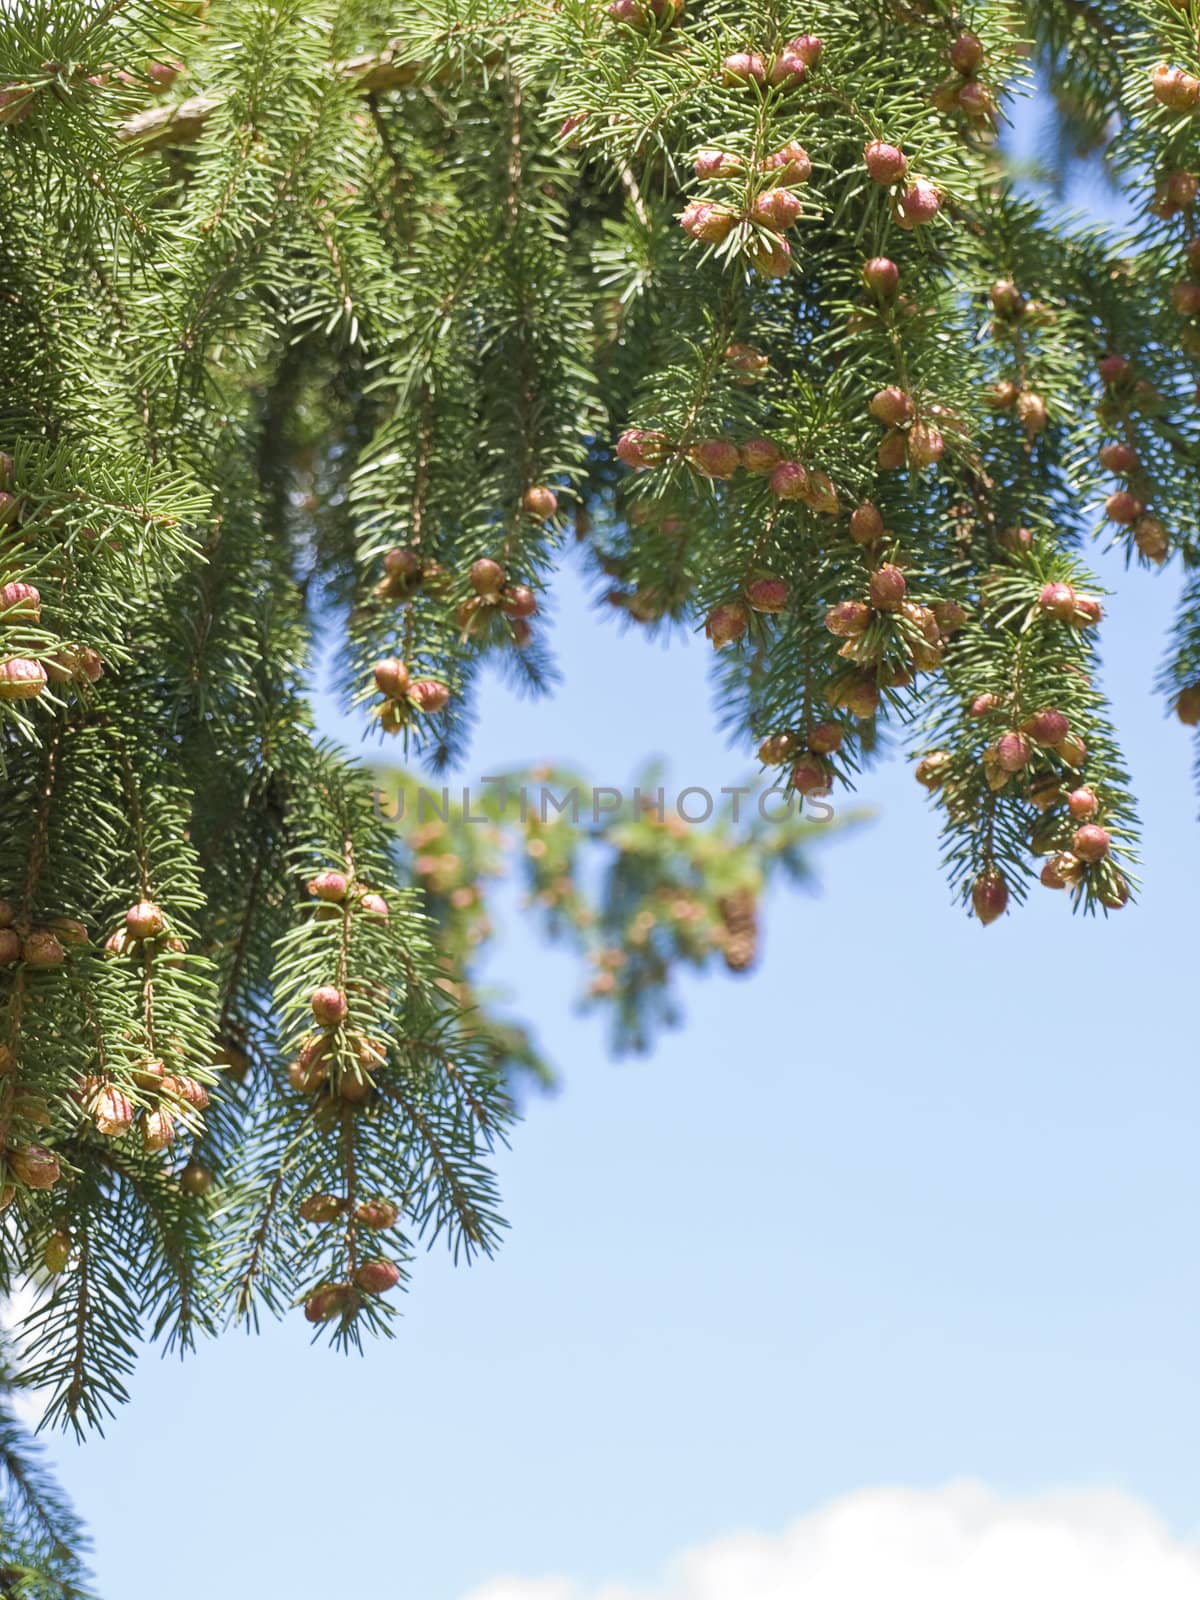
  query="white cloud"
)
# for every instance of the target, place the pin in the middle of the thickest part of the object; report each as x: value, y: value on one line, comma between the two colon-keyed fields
x: 28, y: 1405
x: 962, y: 1542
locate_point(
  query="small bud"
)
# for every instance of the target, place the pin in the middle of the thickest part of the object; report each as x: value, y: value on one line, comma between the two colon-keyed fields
x: 401, y: 564
x: 148, y: 1074
x: 10, y: 947
x: 391, y: 678
x: 811, y: 776
x: 780, y: 747
x: 21, y: 679
x: 791, y: 164
x: 1185, y: 299
x: 716, y: 164
x: 1088, y: 611
x: 820, y: 494
x: 640, y: 449
x: 825, y: 738
x: 1082, y: 804
x: 1007, y: 299
x: 1181, y: 189
x: 329, y: 1005
x: 726, y: 623
x: 930, y: 771
x: 789, y: 481
x: 1051, y: 877
x: 1150, y: 537
x: 377, y: 1277
x: 743, y: 67
x: 715, y: 458
x: 1123, y: 507
x: 778, y: 208
x: 706, y: 222
x: 767, y: 594
x: 112, y: 1112
x: 1174, y: 89
x: 892, y: 453
x: 1187, y: 706
x: 770, y: 257
x: 310, y: 1069
x: 760, y: 457
x: 377, y: 1214
x: 1031, y: 412
x: 861, y: 697
x: 321, y: 1208
x: 196, y: 1178
x: 75, y: 663
x: 882, y: 277
x: 1044, y: 792
x: 848, y: 619
x: 747, y: 363
x: 1058, y: 600
x: 56, y: 1252
x: 158, y: 1131
x: 866, y: 523
x: 34, y: 1166
x: 1012, y: 751
x: 787, y: 70
x: 886, y: 163
x: 540, y: 502
x: 429, y: 696
x: 42, y: 949
x: 918, y: 205
x: 332, y: 1299
x: 188, y: 1090
x: 331, y: 886
x: 1091, y: 842
x: 1068, y: 867
x: 925, y: 444
x: 1114, y: 370
x: 487, y: 577
x: 19, y: 602
x: 374, y: 906
x: 891, y: 406
x: 1003, y: 396
x: 162, y: 74
x: 966, y: 53
x: 950, y: 617
x: 989, y: 895
x: 887, y: 588
x: 1119, y: 458
x: 1047, y: 728
x: 976, y: 100
x: 144, y: 920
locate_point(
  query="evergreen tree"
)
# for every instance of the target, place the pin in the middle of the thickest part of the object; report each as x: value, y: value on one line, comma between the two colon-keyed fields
x: 336, y: 322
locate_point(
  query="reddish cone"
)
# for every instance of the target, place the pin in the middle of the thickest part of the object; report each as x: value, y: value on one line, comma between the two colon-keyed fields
x: 989, y: 895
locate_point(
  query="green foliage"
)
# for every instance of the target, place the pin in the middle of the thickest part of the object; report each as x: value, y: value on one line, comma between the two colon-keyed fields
x: 306, y: 311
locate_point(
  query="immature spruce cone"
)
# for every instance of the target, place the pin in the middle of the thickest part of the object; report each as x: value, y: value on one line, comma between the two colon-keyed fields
x: 739, y: 918
x: 196, y: 1178
x: 377, y: 1277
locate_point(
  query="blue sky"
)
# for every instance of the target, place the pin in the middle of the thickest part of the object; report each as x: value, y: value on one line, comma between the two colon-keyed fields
x: 916, y: 1203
